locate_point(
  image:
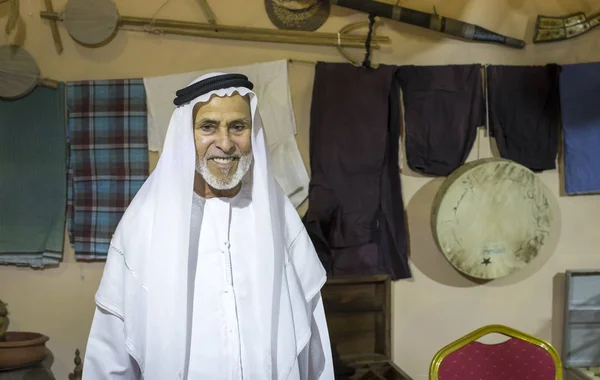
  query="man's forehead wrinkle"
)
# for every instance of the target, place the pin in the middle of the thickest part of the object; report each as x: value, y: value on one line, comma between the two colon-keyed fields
x: 230, y: 114
x: 207, y: 121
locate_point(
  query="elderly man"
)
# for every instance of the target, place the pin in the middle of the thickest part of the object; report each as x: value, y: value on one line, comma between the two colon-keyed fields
x: 210, y: 273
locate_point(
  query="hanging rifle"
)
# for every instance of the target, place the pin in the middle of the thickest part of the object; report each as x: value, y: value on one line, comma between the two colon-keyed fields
x: 430, y: 21
x: 551, y: 29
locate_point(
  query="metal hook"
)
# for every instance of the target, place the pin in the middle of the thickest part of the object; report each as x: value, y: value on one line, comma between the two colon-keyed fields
x: 350, y: 27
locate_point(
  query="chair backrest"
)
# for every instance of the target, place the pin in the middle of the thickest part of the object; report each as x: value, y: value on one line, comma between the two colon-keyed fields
x: 520, y: 357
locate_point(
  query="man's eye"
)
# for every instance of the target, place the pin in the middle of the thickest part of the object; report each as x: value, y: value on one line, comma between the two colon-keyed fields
x: 207, y: 128
x: 238, y: 128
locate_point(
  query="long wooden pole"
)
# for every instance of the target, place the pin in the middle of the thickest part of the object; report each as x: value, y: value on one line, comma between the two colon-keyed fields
x: 141, y: 21
x: 259, y: 37
x: 54, y: 28
x: 243, y: 33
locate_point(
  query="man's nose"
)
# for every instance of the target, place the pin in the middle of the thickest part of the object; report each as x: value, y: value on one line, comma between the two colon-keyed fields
x: 224, y: 141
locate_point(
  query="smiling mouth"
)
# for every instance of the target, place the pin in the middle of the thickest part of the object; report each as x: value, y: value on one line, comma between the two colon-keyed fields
x: 224, y: 161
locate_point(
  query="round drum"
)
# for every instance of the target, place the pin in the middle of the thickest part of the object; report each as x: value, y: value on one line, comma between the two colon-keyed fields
x: 491, y: 217
x: 91, y: 22
x: 19, y: 73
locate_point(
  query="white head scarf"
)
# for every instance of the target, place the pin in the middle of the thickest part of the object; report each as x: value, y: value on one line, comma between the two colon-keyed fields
x: 146, y: 276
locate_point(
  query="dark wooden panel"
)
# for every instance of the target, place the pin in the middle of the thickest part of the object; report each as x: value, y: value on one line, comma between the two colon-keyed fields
x: 358, y: 311
x: 353, y: 333
x: 358, y: 314
x: 378, y: 371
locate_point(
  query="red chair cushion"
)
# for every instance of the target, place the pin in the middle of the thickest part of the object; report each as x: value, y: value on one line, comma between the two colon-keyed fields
x: 513, y: 359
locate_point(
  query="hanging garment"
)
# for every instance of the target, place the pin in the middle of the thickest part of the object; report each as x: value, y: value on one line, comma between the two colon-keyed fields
x: 107, y: 133
x: 215, y: 288
x: 524, y: 113
x: 579, y: 89
x: 443, y: 106
x: 33, y: 173
x: 271, y: 84
x: 356, y: 213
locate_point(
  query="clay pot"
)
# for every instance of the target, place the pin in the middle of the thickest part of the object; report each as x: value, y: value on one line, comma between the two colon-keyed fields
x: 22, y: 349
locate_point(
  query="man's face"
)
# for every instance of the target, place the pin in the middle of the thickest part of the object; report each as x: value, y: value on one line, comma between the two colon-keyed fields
x: 223, y: 138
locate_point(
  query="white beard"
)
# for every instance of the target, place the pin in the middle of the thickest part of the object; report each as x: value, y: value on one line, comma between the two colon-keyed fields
x: 231, y: 180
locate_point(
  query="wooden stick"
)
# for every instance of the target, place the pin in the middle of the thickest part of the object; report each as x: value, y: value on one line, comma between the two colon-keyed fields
x: 208, y: 12
x: 230, y: 35
x: 141, y: 21
x: 54, y: 28
x: 243, y: 33
x: 47, y: 82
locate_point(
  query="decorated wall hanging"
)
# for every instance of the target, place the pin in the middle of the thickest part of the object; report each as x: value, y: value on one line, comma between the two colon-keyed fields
x: 298, y: 14
x: 551, y: 29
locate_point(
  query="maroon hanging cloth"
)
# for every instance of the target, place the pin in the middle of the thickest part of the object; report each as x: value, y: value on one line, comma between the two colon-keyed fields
x: 443, y: 106
x: 356, y: 216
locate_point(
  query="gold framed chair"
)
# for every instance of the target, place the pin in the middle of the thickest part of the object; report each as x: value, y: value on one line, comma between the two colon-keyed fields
x: 522, y: 356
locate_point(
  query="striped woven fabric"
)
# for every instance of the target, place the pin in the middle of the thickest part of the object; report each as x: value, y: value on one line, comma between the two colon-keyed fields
x: 108, y: 160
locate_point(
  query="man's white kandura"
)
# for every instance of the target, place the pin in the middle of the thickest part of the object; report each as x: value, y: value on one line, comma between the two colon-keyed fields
x: 209, y: 288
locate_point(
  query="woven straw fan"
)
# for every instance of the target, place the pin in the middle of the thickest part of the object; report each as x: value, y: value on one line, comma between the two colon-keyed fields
x: 19, y: 73
x: 95, y: 22
x: 13, y: 15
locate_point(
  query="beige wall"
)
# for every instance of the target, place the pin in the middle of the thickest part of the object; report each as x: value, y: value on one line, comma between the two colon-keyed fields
x: 435, y: 307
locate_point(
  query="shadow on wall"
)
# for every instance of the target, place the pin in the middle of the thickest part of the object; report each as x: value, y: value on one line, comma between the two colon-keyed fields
x: 425, y: 254
x: 19, y: 35
x: 427, y: 257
